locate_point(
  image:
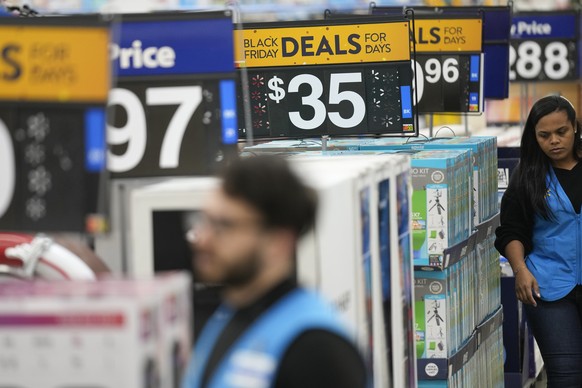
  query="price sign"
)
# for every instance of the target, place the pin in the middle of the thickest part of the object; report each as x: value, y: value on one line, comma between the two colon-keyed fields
x: 544, y: 47
x: 331, y: 79
x: 53, y: 89
x: 454, y: 76
x: 448, y: 65
x: 495, y: 33
x: 173, y: 111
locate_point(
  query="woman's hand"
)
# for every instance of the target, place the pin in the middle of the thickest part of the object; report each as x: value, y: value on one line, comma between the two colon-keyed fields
x: 525, y: 286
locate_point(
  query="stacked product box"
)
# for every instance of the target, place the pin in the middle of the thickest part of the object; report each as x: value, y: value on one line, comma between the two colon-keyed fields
x: 484, y: 153
x: 441, y: 324
x: 359, y: 253
x: 440, y: 202
x: 453, y: 302
x: 490, y: 354
x: 442, y: 197
x: 488, y: 271
x: 484, y: 161
x: 483, y: 156
x: 110, y: 333
x: 477, y: 363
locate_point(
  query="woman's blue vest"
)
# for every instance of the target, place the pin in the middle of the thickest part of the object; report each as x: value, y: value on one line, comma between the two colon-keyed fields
x: 555, y: 259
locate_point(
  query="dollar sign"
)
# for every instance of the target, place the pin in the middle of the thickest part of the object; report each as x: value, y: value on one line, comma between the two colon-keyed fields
x: 279, y: 92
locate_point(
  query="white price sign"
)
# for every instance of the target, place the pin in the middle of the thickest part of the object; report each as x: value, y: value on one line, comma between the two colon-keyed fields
x: 541, y: 60
x: 7, y: 169
x: 134, y: 132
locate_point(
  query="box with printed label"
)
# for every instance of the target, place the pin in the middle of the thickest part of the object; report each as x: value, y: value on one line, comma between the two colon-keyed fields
x: 107, y: 334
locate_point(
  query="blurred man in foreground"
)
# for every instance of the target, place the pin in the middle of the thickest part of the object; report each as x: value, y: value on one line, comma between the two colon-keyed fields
x: 268, y: 332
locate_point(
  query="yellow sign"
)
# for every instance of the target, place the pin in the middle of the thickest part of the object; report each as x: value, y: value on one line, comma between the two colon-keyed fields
x: 58, y: 64
x: 321, y: 45
x: 448, y: 35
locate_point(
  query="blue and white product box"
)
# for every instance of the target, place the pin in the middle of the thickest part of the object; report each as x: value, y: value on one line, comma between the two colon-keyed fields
x: 441, y: 200
x: 441, y: 325
x: 484, y: 162
x: 478, y: 362
x: 110, y: 333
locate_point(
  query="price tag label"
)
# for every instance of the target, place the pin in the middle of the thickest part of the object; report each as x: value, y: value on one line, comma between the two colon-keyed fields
x: 328, y: 80
x: 173, y: 111
x: 52, y: 123
x: 448, y: 65
x: 544, y: 47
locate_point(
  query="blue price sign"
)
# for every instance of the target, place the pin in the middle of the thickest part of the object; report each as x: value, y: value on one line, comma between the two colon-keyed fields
x: 544, y: 47
x: 174, y: 106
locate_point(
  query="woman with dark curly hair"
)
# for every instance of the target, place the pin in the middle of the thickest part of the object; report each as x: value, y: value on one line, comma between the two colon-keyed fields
x: 541, y: 235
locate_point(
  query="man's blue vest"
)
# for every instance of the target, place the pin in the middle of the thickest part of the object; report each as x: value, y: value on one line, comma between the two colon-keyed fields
x: 253, y: 360
x: 555, y: 259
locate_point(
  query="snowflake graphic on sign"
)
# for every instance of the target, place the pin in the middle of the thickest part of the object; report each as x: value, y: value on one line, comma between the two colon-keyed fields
x: 38, y: 127
x: 35, y: 208
x: 260, y: 109
x: 208, y: 95
x: 39, y: 180
x: 34, y: 154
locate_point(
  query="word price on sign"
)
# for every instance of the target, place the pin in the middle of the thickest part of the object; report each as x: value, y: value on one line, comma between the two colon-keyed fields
x: 448, y: 65
x: 543, y: 47
x: 317, y: 80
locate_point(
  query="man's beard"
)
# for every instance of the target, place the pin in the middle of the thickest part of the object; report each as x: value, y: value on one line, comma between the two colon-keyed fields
x: 243, y: 272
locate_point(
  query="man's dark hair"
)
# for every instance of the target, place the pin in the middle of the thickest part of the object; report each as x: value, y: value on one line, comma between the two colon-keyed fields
x: 269, y: 185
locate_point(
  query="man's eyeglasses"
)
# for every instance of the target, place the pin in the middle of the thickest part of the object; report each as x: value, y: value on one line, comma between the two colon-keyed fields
x: 220, y: 226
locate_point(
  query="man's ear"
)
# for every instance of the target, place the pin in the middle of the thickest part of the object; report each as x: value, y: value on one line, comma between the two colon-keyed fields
x: 280, y: 242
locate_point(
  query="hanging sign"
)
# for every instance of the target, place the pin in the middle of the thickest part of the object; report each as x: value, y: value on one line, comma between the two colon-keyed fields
x: 448, y: 65
x: 54, y: 80
x: 544, y: 46
x: 326, y: 79
x: 173, y: 111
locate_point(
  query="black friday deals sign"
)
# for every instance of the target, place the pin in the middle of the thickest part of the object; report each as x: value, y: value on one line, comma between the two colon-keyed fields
x: 326, y: 79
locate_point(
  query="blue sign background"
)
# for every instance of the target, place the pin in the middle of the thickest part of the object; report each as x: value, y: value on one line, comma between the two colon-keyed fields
x: 202, y: 46
x: 563, y: 26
